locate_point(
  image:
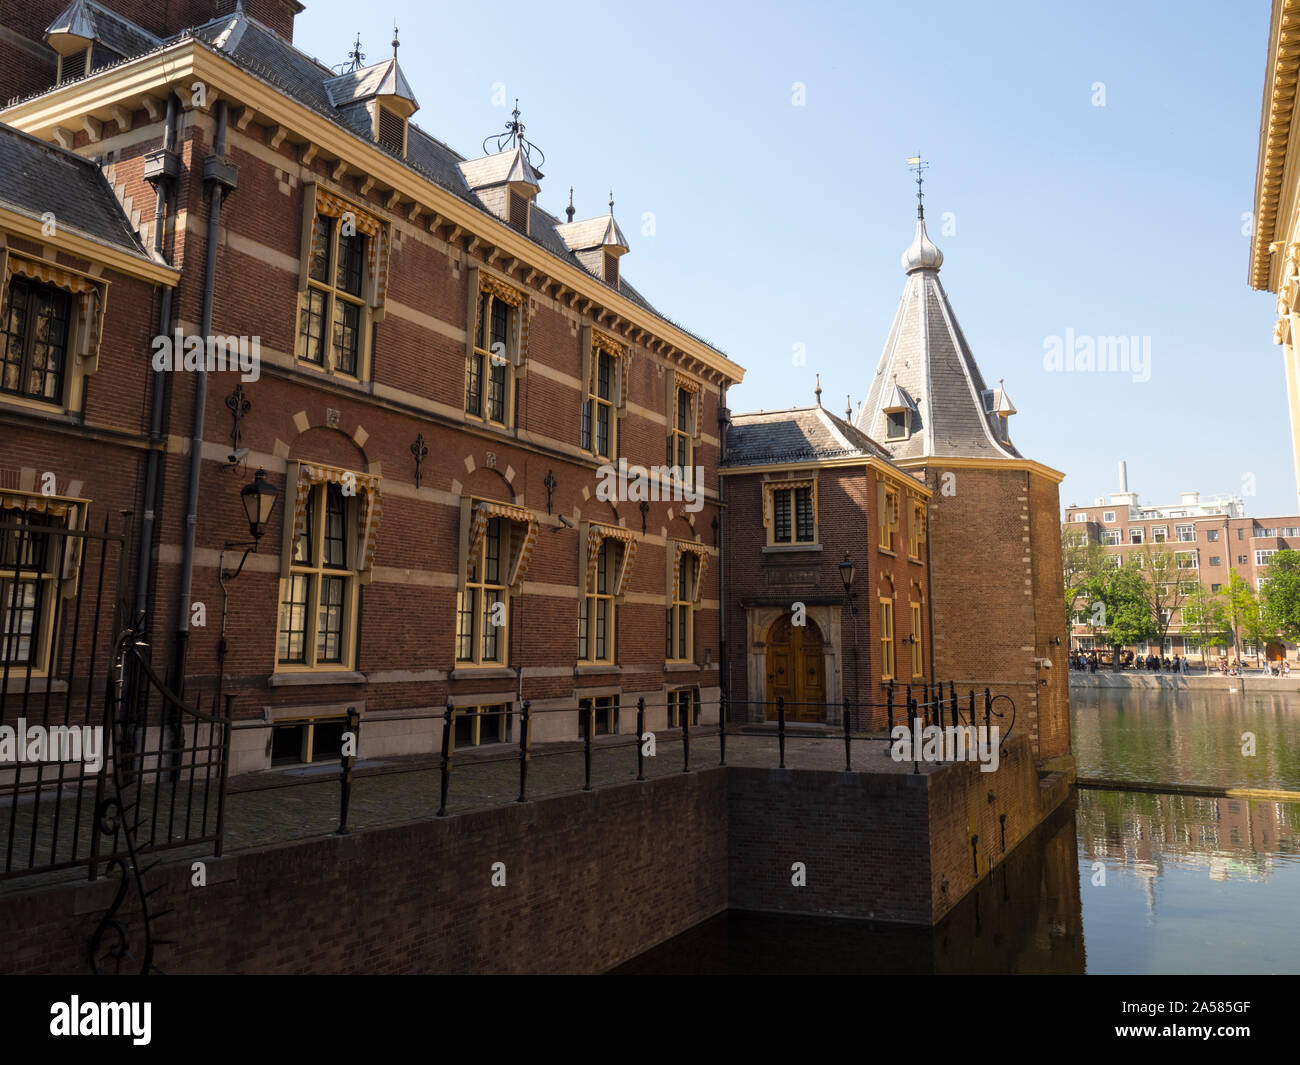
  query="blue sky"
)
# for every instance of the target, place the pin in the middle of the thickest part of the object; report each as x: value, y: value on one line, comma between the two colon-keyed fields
x: 777, y: 225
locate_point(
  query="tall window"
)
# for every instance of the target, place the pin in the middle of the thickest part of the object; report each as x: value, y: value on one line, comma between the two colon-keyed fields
x: 681, y: 611
x: 330, y: 322
x: 483, y: 610
x: 888, y: 517
x: 1159, y: 534
x: 598, y: 422
x: 886, y: 639
x: 489, y: 365
x: 597, y: 612
x: 916, y: 531
x: 918, y: 662
x: 317, y: 605
x: 1185, y: 533
x: 793, y: 515
x: 29, y: 560
x: 35, y: 323
x: 683, y: 705
x: 683, y: 425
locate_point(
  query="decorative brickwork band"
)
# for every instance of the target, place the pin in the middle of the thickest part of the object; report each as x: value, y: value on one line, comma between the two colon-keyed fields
x: 91, y: 294
x: 367, y: 484
x: 701, y: 554
x: 484, y: 512
x: 595, y: 536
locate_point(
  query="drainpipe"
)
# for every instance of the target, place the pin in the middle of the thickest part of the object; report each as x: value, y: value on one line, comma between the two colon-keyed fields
x: 220, y: 178
x: 724, y: 667
x: 160, y: 169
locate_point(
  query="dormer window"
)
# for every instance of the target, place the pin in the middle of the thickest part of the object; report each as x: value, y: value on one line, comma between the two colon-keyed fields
x: 896, y: 425
x: 898, y: 408
x: 390, y: 129
x: 611, y: 269
x: 73, y: 66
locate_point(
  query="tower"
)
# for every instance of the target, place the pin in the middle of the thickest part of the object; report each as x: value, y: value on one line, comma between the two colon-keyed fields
x: 995, y: 553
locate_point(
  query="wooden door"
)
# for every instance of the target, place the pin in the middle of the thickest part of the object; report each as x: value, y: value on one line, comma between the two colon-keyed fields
x: 796, y: 671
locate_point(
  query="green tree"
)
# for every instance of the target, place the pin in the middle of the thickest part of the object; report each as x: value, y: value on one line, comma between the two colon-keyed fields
x: 1126, y: 615
x: 1082, y: 558
x: 1205, y: 616
x: 1165, y: 585
x: 1280, y: 595
x: 1242, y: 609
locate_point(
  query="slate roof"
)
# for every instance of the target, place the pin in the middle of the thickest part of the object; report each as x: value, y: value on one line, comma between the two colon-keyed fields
x: 801, y: 434
x: 928, y: 354
x: 381, y: 79
x: 267, y: 56
x: 84, y: 18
x: 498, y: 168
x: 36, y: 177
x: 593, y: 233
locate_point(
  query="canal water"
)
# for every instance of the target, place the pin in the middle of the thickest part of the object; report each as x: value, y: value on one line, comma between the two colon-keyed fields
x: 1115, y: 882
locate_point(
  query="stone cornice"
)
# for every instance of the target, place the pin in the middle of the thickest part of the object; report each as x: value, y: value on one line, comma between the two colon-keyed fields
x: 178, y: 67
x: 938, y: 462
x: 83, y: 247
x: 1277, y: 114
x: 868, y: 462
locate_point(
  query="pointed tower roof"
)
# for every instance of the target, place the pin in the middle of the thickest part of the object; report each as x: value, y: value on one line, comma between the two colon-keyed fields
x: 381, y: 79
x: 927, y: 367
x: 512, y: 165
x: 594, y: 233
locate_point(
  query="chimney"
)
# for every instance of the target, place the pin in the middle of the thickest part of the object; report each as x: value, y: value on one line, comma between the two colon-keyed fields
x: 1123, y: 476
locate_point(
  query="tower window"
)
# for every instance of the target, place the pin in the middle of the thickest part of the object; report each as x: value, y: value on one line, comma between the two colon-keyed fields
x: 895, y: 424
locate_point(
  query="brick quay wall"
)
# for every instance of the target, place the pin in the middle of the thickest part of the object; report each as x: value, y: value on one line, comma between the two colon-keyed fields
x: 586, y: 881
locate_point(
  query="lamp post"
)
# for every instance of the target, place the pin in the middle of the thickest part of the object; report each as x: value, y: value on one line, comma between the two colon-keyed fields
x: 258, y: 498
x: 847, y: 572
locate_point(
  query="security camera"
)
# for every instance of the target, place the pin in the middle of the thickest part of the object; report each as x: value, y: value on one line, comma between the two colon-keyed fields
x: 238, y: 456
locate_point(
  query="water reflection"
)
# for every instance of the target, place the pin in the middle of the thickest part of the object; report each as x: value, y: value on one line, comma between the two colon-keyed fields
x: 1114, y: 882
x: 1187, y: 737
x: 1184, y: 884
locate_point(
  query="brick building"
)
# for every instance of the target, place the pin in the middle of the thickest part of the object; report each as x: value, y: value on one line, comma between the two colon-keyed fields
x: 1211, y: 539
x: 806, y: 493
x: 926, y: 464
x: 443, y: 370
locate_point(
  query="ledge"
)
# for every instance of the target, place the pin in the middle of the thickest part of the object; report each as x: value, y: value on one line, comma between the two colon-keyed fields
x: 283, y: 680
x: 683, y: 667
x: 593, y: 669
x: 489, y: 673
x: 791, y: 549
x: 39, y: 685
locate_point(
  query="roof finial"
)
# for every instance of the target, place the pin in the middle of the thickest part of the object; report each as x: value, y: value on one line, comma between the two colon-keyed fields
x: 919, y: 168
x: 355, y: 58
x: 848, y: 407
x: 569, y: 210
x: 394, y: 39
x: 611, y: 203
x: 818, y: 390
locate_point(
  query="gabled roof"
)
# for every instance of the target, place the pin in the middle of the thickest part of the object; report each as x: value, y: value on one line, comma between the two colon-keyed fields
x: 36, y: 178
x: 801, y: 434
x: 381, y: 79
x: 87, y: 20
x: 926, y: 355
x: 498, y: 168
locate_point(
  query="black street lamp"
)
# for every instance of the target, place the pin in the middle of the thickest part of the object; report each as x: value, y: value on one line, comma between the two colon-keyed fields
x: 258, y: 498
x: 847, y: 570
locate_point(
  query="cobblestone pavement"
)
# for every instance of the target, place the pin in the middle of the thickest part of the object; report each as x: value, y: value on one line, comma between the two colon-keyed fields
x: 281, y: 806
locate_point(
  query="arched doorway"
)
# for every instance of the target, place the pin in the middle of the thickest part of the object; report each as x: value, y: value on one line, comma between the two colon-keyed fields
x: 796, y: 670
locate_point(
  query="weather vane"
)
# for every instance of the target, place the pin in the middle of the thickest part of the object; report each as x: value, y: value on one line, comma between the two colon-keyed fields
x: 919, y: 168
x: 514, y: 135
x: 354, y: 60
